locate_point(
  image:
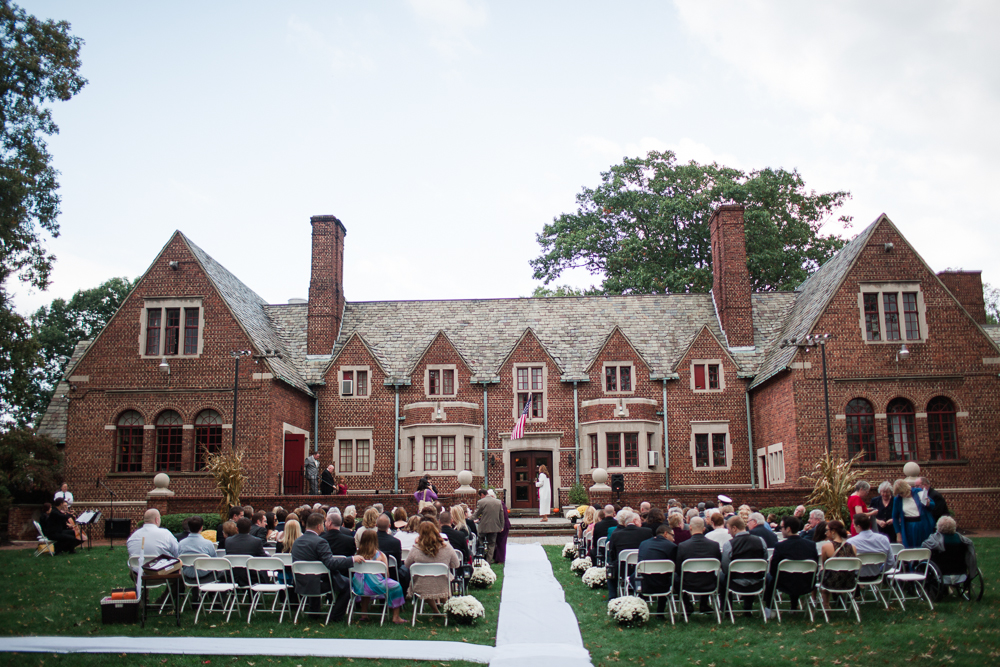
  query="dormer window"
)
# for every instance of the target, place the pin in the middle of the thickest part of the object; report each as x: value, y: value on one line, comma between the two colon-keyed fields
x: 892, y: 313
x: 171, y: 328
x: 707, y: 375
x: 354, y: 381
x: 441, y: 380
x: 618, y: 377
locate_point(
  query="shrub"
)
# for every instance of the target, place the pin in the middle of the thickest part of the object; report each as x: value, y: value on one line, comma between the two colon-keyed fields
x: 175, y: 522
x: 578, y: 495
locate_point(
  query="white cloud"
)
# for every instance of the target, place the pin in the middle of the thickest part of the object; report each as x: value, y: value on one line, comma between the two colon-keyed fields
x: 313, y: 43
x: 449, y: 24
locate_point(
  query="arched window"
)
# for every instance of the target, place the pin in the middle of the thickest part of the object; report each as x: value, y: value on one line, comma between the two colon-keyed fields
x: 207, y: 436
x: 129, y: 442
x: 902, y: 437
x: 169, y: 441
x: 861, y: 429
x: 941, y: 428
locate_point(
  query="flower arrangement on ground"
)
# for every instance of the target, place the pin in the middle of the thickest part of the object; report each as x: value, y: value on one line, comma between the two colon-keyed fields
x: 596, y: 577
x: 464, y: 609
x: 569, y: 551
x: 629, y: 611
x: 573, y: 514
x: 580, y: 565
x: 483, y: 576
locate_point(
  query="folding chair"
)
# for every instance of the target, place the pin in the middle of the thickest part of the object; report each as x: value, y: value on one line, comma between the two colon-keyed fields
x: 313, y: 569
x: 45, y: 545
x: 846, y: 593
x: 284, y: 558
x: 701, y: 566
x: 770, y: 552
x: 790, y: 567
x: 133, y: 565
x: 602, y: 547
x: 406, y: 552
x: 899, y: 575
x: 239, y: 563
x: 420, y: 572
x: 221, y: 569
x: 872, y: 584
x: 896, y: 548
x: 363, y: 568
x: 755, y: 566
x: 626, y: 558
x: 187, y: 560
x: 264, y: 569
x: 661, y: 567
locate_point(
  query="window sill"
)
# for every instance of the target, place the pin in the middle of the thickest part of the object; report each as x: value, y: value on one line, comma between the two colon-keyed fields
x: 350, y: 397
x: 711, y: 468
x: 708, y: 391
x: 900, y: 464
x: 173, y: 475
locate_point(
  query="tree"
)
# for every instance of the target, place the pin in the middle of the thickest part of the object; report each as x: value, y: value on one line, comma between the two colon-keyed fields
x: 39, y: 63
x: 30, y: 468
x: 564, y: 290
x: 991, y: 295
x: 645, y: 227
x: 55, y: 330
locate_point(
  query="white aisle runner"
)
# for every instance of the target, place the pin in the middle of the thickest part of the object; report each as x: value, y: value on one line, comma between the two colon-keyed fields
x: 537, y: 626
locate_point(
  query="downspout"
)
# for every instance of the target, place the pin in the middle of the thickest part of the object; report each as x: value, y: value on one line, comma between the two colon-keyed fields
x: 576, y: 435
x: 486, y: 440
x: 666, y: 440
x: 395, y: 449
x: 316, y: 425
x: 753, y: 460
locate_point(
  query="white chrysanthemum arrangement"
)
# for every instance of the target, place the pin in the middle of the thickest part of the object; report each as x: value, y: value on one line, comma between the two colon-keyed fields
x: 580, y: 565
x: 596, y: 577
x: 629, y: 611
x: 569, y: 550
x: 482, y: 577
x: 464, y: 609
x: 573, y: 514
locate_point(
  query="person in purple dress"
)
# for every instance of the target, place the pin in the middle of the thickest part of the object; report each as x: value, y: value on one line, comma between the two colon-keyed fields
x: 500, y: 552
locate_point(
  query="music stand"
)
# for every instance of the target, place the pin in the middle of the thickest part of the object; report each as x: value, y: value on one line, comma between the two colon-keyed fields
x: 86, y: 520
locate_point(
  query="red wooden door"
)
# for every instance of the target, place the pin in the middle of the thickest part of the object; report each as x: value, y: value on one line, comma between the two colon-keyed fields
x: 292, y: 482
x: 524, y: 472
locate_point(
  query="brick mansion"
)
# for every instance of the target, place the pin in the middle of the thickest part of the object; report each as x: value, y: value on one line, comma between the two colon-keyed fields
x: 693, y: 394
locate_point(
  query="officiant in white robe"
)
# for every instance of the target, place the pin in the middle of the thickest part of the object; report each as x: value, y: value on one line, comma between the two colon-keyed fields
x: 544, y: 493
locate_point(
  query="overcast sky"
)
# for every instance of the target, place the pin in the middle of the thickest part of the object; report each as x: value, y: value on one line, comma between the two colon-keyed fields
x: 446, y: 133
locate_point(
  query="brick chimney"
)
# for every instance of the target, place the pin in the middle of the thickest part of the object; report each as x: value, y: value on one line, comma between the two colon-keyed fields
x: 326, y: 283
x: 730, y: 276
x: 967, y: 286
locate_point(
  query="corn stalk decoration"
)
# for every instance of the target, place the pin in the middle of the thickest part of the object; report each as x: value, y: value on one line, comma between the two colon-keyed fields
x: 226, y: 466
x: 833, y: 481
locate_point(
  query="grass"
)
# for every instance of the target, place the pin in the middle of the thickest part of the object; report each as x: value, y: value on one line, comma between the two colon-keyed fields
x: 61, y: 596
x: 955, y: 633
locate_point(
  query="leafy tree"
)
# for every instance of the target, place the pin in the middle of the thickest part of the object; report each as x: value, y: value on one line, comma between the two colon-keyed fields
x: 645, y: 227
x: 39, y: 63
x: 991, y: 295
x: 30, y: 468
x: 564, y: 290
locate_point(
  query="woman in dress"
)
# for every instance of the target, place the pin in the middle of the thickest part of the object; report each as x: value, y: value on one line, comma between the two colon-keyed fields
x: 342, y: 486
x: 376, y: 584
x: 882, y: 504
x: 431, y: 548
x: 544, y: 493
x: 836, y: 547
x: 584, y: 525
x: 368, y: 521
x: 856, y: 503
x: 912, y: 518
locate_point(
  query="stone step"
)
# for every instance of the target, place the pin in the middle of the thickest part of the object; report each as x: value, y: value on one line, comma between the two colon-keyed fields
x: 554, y: 532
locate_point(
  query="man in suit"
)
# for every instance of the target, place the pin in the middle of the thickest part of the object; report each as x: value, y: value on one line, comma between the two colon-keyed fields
x: 314, y: 548
x: 658, y: 547
x: 391, y: 546
x: 328, y: 484
x: 234, y: 515
x: 793, y: 547
x: 489, y: 514
x: 341, y: 543
x: 628, y: 536
x: 757, y: 525
x: 601, y: 529
x: 244, y: 544
x: 310, y: 469
x: 456, y: 539
x: 698, y: 546
x: 742, y: 546
x: 815, y: 518
x: 259, y: 527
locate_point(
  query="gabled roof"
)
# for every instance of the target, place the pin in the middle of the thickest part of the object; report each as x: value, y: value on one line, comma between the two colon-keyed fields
x: 53, y: 422
x: 687, y: 348
x: 607, y: 339
x: 812, y: 298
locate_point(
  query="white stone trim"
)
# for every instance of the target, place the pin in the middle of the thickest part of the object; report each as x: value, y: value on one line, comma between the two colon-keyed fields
x: 711, y: 427
x: 420, y: 431
x: 86, y: 378
x: 263, y: 376
x: 988, y: 361
x: 515, y: 413
x: 898, y: 288
x: 601, y: 428
x: 618, y: 379
x: 353, y: 369
x: 800, y: 365
x: 706, y: 363
x: 440, y: 367
x: 163, y: 305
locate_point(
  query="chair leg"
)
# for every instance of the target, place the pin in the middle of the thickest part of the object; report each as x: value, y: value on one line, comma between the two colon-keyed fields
x: 254, y: 598
x: 302, y: 601
x: 414, y: 623
x: 822, y: 605
x: 715, y: 605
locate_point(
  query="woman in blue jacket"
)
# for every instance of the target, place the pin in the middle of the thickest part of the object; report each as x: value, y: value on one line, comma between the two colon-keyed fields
x: 912, y: 519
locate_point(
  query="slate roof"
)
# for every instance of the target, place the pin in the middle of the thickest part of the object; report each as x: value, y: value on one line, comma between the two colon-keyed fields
x: 993, y: 330
x: 812, y: 297
x: 53, y: 422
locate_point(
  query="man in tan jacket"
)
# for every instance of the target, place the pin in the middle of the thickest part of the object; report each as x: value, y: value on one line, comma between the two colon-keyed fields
x: 489, y: 515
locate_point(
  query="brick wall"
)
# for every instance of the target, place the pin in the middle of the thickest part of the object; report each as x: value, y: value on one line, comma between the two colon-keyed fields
x: 967, y: 286
x: 730, y: 276
x: 326, y: 285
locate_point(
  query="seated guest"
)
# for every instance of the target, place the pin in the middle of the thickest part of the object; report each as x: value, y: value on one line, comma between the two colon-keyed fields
x: 719, y: 533
x: 399, y: 518
x: 458, y: 521
x: 456, y: 539
x: 793, y: 547
x: 259, y: 527
x: 280, y: 517
x: 676, y: 521
x: 698, y: 546
x: 658, y: 547
x: 868, y: 541
x: 800, y: 512
x: 228, y: 529
x: 377, y: 584
x: 601, y: 529
x: 653, y: 518
x: 194, y: 543
x: 742, y: 546
x: 341, y: 544
x: 59, y: 529
x: 368, y: 520
x: 244, y: 544
x: 588, y: 519
x: 184, y: 531
x: 947, y: 536
x: 234, y: 514
x: 815, y: 517
x: 271, y: 525
x: 469, y: 521
x: 430, y: 547
x: 390, y: 546
x: 882, y: 504
x: 758, y: 526
x: 629, y: 535
x: 408, y: 534
x: 311, y: 547
x: 644, y: 509
x: 772, y: 521
x: 292, y: 532
x: 150, y: 540
x: 837, y: 546
x: 349, y: 523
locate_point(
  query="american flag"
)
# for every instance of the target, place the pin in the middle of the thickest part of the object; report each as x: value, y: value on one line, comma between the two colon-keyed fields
x: 518, y: 431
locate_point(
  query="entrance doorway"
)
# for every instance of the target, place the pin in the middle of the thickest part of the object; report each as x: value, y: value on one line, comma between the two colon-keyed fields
x: 524, y: 466
x: 292, y: 482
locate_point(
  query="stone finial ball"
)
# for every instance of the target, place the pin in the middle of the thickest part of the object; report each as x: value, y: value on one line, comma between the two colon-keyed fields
x: 600, y: 475
x: 161, y: 481
x: 911, y: 469
x: 465, y: 478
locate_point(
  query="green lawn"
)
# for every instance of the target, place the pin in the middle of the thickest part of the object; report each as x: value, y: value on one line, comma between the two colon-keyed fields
x: 61, y: 596
x: 955, y: 633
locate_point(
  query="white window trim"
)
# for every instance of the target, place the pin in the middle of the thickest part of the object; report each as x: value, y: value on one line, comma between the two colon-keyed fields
x: 898, y: 289
x: 420, y: 431
x: 618, y: 381
x: 163, y: 304
x: 775, y: 458
x: 355, y: 434
x: 706, y: 363
x: 710, y: 428
x: 644, y: 428
x: 515, y: 413
x: 440, y: 367
x: 354, y: 369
